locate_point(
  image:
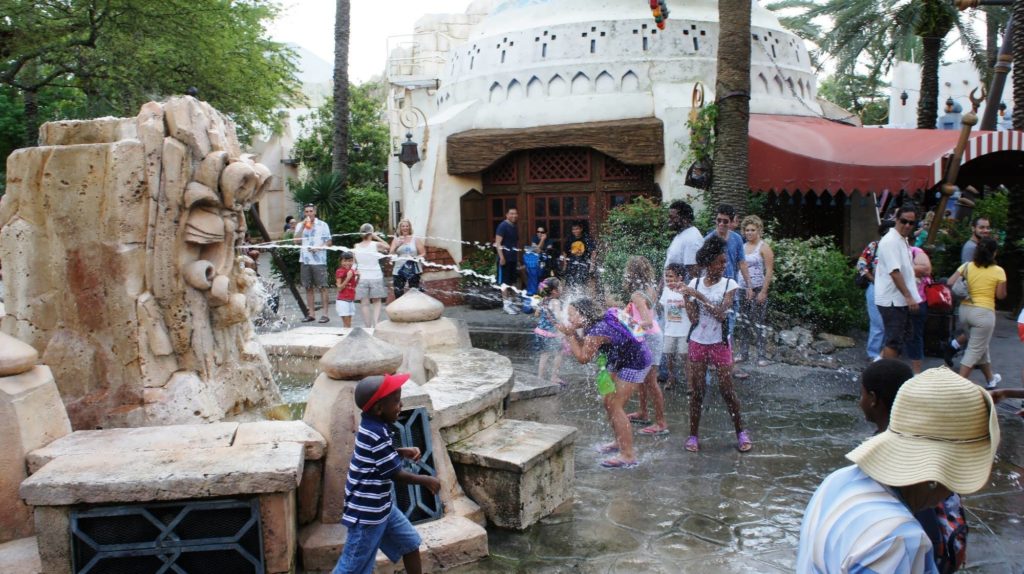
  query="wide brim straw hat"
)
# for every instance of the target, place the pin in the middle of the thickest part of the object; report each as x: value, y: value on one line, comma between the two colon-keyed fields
x: 942, y: 428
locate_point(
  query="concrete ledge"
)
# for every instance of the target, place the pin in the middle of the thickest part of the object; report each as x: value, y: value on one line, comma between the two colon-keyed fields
x: 166, y: 475
x: 276, y: 432
x: 512, y: 445
x: 447, y: 542
x: 529, y: 386
x: 118, y: 442
x: 20, y: 557
x: 466, y: 382
x: 309, y: 342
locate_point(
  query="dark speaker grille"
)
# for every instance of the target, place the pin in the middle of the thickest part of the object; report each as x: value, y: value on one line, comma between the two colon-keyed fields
x: 196, y: 537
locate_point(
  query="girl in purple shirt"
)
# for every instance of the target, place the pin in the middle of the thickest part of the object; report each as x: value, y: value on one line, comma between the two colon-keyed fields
x: 628, y: 362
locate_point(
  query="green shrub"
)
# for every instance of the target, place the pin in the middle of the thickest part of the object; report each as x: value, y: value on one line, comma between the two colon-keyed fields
x: 636, y: 228
x: 814, y: 285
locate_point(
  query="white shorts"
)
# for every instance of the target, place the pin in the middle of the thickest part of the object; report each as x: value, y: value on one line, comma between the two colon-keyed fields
x: 345, y: 308
x: 675, y: 345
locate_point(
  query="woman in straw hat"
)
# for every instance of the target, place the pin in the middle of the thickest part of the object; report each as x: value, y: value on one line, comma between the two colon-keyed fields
x: 861, y: 518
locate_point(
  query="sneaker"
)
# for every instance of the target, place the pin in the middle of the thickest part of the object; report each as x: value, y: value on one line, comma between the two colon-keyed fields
x: 996, y: 379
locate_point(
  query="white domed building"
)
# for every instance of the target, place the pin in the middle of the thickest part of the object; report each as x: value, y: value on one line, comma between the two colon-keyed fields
x: 567, y: 108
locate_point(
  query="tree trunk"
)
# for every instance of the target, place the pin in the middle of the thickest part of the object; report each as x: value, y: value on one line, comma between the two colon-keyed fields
x: 730, y: 183
x: 339, y: 152
x: 31, y: 107
x: 991, y: 44
x: 927, y: 106
x: 1018, y: 64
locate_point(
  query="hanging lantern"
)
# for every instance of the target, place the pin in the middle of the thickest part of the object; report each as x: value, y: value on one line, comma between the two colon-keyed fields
x: 410, y: 154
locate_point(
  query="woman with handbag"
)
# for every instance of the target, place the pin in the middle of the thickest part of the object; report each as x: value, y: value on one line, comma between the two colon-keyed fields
x: 986, y: 282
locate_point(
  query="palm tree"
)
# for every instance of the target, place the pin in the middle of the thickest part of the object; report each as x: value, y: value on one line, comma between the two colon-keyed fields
x: 732, y: 94
x: 339, y: 154
x: 874, y: 34
x: 1018, y: 64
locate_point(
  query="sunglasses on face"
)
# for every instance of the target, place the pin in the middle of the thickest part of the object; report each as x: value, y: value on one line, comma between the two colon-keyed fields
x: 907, y: 221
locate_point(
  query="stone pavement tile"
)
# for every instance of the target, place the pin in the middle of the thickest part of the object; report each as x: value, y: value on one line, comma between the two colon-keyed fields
x: 586, y: 539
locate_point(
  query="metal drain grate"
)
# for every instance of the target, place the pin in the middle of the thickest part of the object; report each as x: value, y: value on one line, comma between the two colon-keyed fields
x: 417, y: 502
x: 195, y: 537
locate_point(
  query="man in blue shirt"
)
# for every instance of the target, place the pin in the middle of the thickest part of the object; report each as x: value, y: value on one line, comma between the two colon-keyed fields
x: 506, y: 244
x: 735, y: 262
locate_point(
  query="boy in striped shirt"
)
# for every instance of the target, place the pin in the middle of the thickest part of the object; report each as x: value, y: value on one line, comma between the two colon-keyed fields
x: 373, y: 521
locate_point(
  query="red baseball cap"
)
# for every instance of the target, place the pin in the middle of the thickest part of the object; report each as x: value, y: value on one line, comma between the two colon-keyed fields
x: 370, y: 390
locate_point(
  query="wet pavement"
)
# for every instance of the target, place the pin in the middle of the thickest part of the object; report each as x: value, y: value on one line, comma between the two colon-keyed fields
x: 720, y: 511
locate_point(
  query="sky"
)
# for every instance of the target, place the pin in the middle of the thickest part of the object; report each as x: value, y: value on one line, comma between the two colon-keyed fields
x: 310, y: 24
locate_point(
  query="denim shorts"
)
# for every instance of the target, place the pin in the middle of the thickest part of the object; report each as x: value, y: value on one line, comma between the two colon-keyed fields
x: 396, y: 537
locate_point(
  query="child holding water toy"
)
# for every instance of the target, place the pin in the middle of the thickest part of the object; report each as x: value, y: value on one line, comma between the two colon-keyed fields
x: 708, y: 300
x: 547, y: 341
x: 639, y: 282
x: 628, y: 361
x: 677, y: 323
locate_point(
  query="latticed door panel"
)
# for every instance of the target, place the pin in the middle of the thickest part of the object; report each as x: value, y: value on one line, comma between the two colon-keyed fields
x: 558, y: 165
x: 504, y: 172
x: 417, y: 502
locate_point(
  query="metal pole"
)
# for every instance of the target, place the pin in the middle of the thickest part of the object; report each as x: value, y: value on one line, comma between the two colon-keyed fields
x: 290, y: 281
x: 969, y: 120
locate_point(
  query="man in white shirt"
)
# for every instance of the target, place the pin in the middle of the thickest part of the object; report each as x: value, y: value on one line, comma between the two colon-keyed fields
x: 687, y: 241
x: 315, y: 235
x: 895, y: 292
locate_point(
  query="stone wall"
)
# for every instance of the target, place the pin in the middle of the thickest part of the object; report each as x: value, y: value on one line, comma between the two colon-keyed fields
x: 118, y: 239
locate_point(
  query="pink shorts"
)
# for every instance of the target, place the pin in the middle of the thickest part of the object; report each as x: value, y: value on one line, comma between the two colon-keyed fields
x: 719, y: 354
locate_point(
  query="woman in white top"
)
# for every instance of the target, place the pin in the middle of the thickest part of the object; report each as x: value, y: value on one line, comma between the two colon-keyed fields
x: 370, y: 290
x: 410, y: 251
x: 761, y: 265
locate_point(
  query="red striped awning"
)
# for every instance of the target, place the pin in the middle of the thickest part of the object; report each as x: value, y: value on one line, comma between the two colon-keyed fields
x: 794, y: 153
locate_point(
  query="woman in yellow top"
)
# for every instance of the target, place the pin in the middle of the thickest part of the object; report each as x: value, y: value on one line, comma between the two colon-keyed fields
x: 986, y: 282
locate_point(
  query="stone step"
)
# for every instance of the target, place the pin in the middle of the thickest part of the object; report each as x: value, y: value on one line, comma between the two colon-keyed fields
x: 517, y: 471
x: 533, y: 399
x: 447, y: 542
x: 20, y: 557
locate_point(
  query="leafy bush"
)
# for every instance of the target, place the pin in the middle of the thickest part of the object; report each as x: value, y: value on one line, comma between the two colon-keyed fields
x: 814, y: 285
x: 636, y: 228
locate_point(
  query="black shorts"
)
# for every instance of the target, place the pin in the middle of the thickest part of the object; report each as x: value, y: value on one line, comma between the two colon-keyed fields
x: 508, y: 274
x: 898, y: 327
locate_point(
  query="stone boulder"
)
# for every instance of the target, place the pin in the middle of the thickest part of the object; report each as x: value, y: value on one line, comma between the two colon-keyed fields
x: 839, y: 341
x: 414, y: 306
x: 15, y: 357
x: 359, y: 355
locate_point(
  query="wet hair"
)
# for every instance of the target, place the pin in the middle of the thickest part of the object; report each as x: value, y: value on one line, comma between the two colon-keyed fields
x: 683, y: 209
x: 884, y: 378
x: 346, y: 255
x: 885, y: 226
x: 713, y: 247
x: 639, y: 274
x: 549, y: 286
x: 985, y: 253
x: 589, y: 310
x: 726, y: 209
x: 753, y: 220
x: 678, y: 268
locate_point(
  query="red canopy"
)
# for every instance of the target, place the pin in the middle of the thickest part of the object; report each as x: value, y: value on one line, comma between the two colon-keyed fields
x: 795, y: 153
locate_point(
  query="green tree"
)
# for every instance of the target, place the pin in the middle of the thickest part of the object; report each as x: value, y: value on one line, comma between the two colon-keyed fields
x: 119, y: 54
x: 732, y: 95
x: 636, y: 228
x: 368, y: 158
x: 858, y: 93
x: 873, y: 34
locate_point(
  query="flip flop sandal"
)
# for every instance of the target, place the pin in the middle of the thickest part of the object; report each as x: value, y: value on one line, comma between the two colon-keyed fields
x: 740, y: 375
x: 743, y: 443
x: 654, y: 431
x: 636, y: 419
x: 325, y: 319
x: 608, y: 448
x: 692, y: 444
x: 619, y: 463
x: 308, y: 319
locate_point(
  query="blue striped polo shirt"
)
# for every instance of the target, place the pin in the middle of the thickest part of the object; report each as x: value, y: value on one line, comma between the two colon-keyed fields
x: 854, y: 524
x: 374, y: 463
